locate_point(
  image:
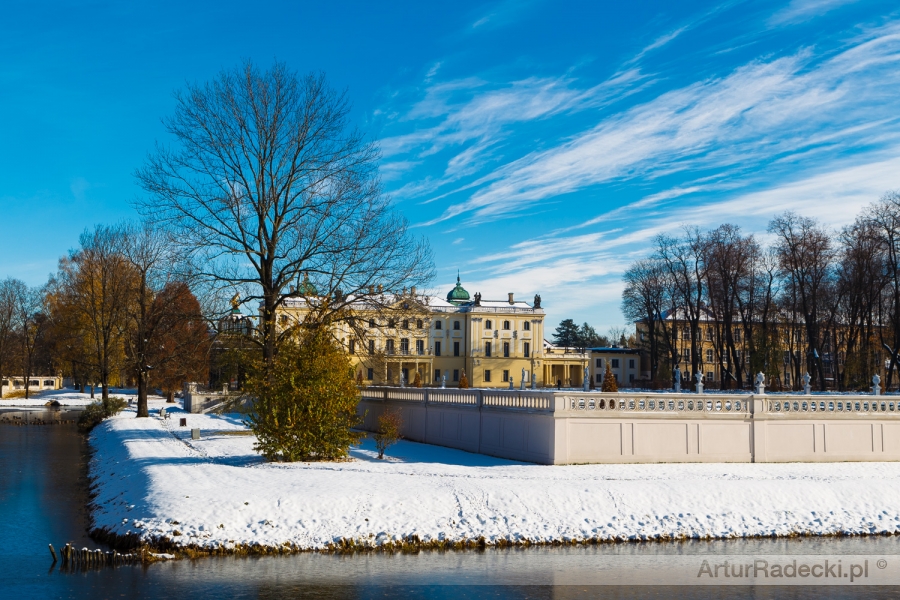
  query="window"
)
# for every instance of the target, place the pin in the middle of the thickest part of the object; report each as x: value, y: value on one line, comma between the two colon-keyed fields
x: 284, y: 319
x: 371, y: 323
x: 505, y: 324
x: 685, y: 333
x: 418, y: 323
x: 487, y: 348
x: 686, y: 354
x: 709, y: 375
x: 487, y: 375
x: 527, y: 349
x: 506, y: 349
x: 455, y: 325
x: 615, y: 363
x: 437, y: 325
x: 370, y: 374
x: 526, y: 326
x: 34, y: 382
x: 437, y: 348
x: 709, y: 355
x: 389, y: 347
x: 437, y: 375
x: 404, y: 346
x: 405, y: 323
x: 709, y: 332
x: 371, y: 346
x: 49, y: 382
x: 488, y: 325
x: 599, y: 377
x: 420, y: 347
x: 599, y: 363
x: 405, y: 374
x: 631, y: 377
x: 455, y: 374
x: 737, y: 335
x: 505, y: 375
x: 455, y: 348
x: 352, y: 346
x: 630, y: 363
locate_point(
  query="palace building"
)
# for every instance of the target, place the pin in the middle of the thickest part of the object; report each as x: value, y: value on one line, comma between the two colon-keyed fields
x: 496, y: 343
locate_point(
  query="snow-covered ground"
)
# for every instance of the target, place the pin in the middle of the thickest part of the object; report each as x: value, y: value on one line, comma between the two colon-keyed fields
x: 65, y: 397
x: 216, y: 492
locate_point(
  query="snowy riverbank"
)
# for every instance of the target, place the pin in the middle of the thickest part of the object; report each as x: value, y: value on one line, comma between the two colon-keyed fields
x: 215, y: 493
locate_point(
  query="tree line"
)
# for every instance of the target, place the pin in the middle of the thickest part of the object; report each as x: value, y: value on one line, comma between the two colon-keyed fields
x: 811, y: 300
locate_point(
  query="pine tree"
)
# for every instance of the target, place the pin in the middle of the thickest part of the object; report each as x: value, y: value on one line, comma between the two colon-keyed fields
x: 566, y: 334
x: 417, y: 382
x: 609, y: 381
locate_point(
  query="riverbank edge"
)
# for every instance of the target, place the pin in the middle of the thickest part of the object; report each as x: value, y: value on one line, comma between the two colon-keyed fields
x: 165, y: 545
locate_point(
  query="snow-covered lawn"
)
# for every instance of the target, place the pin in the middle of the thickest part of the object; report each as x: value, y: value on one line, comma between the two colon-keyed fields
x: 65, y: 397
x: 216, y: 492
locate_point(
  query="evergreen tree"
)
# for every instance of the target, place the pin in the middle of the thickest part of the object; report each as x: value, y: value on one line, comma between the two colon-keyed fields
x: 609, y: 381
x: 567, y: 334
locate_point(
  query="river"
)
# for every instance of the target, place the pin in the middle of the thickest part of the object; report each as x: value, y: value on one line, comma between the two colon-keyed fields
x: 44, y: 492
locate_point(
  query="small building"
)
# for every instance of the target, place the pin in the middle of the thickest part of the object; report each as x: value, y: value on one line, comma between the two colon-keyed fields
x: 37, y: 383
x: 625, y: 364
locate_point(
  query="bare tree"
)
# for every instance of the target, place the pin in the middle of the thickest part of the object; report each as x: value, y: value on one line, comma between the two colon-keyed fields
x: 8, y: 313
x: 29, y: 321
x: 643, y: 300
x: 806, y: 258
x: 267, y: 183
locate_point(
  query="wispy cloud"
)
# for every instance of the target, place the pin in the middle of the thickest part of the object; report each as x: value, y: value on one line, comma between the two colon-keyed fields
x: 803, y: 10
x: 756, y: 113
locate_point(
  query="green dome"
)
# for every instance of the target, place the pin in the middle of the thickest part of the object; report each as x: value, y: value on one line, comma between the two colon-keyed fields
x: 458, y: 294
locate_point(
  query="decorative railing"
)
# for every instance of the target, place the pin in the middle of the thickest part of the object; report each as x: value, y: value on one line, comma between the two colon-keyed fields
x: 837, y: 405
x: 660, y: 404
x: 451, y: 397
x: 534, y: 400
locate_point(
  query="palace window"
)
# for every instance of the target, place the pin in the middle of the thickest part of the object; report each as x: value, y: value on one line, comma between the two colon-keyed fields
x: 505, y: 375
x: 437, y: 375
x: 284, y: 319
x: 686, y: 354
x: 630, y: 363
x: 389, y: 347
x: 371, y: 346
x: 686, y: 333
x: 456, y: 325
x: 418, y: 323
x: 615, y: 363
x: 709, y: 355
x: 405, y: 323
x: 527, y: 347
x: 437, y: 348
x: 371, y: 323
x: 420, y: 347
x: 49, y: 382
x: 599, y: 378
x: 370, y: 374
x: 455, y: 348
x: 709, y: 375
x: 487, y: 348
x: 599, y: 363
x: 392, y: 323
x: 487, y: 375
x: 709, y: 334
x: 404, y: 346
x: 352, y: 346
x: 437, y: 325
x: 737, y: 334
x: 506, y: 349
x: 505, y: 324
x: 488, y: 324
x: 455, y: 374
x: 526, y: 326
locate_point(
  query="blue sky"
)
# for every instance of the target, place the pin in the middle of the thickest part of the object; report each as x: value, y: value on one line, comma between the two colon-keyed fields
x: 539, y: 145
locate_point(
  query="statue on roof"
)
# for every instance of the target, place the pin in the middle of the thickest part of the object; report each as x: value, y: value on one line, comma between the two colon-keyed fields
x: 537, y: 301
x: 235, y: 302
x: 477, y: 298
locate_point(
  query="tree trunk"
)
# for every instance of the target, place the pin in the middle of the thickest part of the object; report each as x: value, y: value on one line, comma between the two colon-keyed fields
x: 142, y: 408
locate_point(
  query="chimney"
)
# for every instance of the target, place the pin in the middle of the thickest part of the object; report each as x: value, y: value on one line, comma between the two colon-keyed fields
x: 511, y: 301
x: 412, y: 291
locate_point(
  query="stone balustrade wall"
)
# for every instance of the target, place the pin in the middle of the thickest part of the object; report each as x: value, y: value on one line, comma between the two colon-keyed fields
x: 566, y: 427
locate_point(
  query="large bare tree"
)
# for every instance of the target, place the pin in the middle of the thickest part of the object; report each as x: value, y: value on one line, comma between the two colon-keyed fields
x: 267, y: 184
x: 8, y: 295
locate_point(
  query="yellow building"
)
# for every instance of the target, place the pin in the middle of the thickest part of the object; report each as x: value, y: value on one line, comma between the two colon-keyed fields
x: 494, y: 342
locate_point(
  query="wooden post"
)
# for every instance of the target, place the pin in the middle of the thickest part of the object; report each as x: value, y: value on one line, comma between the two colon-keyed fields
x: 53, y: 552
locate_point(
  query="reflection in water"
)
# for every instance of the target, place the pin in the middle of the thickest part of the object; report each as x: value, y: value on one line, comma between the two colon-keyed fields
x: 43, y: 496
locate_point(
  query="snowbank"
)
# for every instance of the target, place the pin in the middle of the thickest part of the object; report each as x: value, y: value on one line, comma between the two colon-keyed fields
x: 153, y: 481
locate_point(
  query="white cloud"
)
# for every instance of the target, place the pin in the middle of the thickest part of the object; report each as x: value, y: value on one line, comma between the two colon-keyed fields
x: 803, y: 10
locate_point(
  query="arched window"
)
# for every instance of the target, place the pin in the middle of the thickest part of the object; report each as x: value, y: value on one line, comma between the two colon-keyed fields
x: 437, y: 325
x: 526, y: 326
x: 389, y: 347
x: 505, y: 324
x: 488, y: 324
